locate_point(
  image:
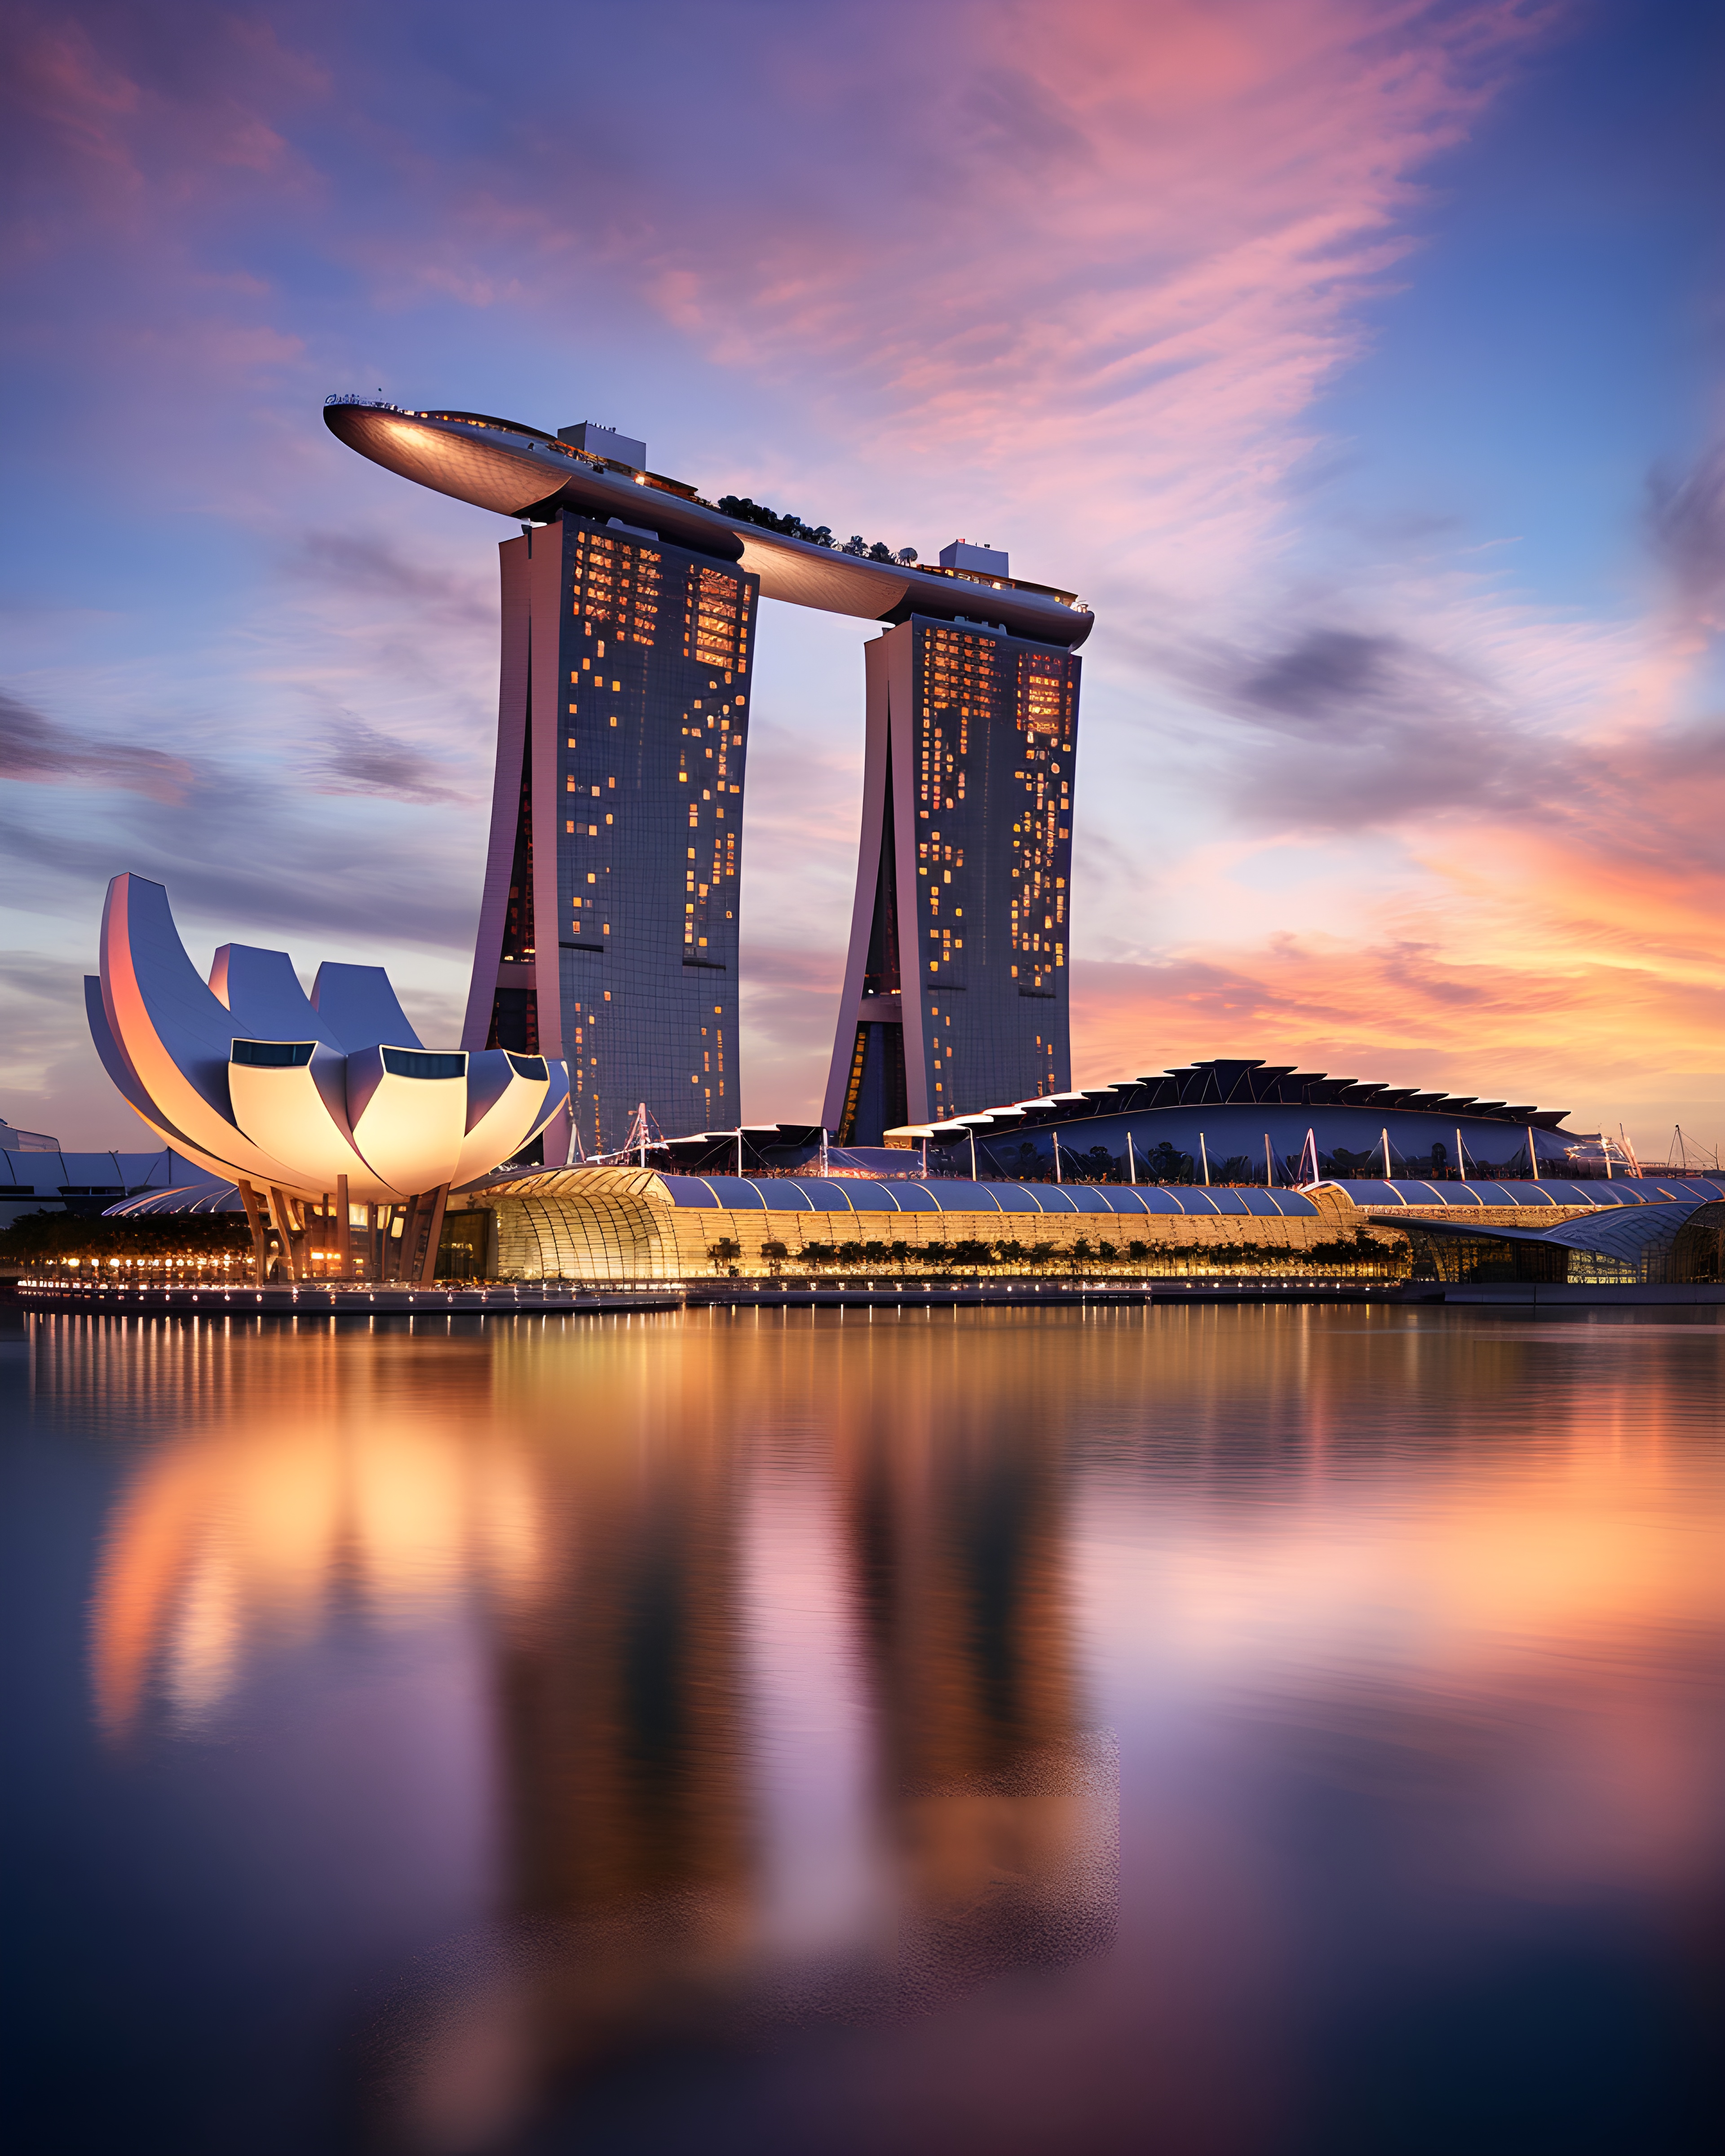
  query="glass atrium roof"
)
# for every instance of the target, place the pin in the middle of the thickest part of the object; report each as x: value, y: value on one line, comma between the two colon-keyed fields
x: 1618, y: 1232
x: 811, y: 1194
x: 1620, y: 1191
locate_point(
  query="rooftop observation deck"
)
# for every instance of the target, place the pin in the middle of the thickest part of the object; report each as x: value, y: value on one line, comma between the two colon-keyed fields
x: 526, y: 472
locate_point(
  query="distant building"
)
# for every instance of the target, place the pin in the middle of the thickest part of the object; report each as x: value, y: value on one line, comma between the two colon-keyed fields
x: 41, y: 1178
x: 14, y: 1140
x: 1236, y: 1119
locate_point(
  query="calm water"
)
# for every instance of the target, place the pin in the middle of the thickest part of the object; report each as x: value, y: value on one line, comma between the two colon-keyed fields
x: 1257, y: 1731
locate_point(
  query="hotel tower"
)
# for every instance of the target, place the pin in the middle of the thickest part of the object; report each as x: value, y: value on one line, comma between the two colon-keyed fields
x: 609, y: 922
x: 608, y: 925
x: 956, y: 984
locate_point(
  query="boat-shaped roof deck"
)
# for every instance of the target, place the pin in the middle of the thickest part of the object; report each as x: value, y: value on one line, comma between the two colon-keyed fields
x: 526, y: 472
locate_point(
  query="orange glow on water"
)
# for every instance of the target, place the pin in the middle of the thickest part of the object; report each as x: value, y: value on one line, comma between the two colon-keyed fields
x: 802, y: 1654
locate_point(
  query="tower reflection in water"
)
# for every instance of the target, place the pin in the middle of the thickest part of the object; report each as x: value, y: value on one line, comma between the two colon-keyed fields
x: 1005, y: 1810
x: 782, y: 1721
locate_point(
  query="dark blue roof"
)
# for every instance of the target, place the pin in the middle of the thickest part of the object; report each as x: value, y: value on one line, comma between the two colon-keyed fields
x: 47, y: 1172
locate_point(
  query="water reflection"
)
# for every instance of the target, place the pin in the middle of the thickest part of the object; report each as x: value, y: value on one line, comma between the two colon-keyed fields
x: 297, y: 1479
x: 591, y: 1510
x: 596, y: 1697
x: 1003, y: 1808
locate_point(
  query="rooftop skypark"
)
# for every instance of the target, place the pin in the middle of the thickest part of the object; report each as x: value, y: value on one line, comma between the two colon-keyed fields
x: 534, y: 473
x: 811, y: 534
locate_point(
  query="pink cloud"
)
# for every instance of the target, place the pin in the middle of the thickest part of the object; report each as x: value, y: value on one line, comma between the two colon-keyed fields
x: 1074, y: 281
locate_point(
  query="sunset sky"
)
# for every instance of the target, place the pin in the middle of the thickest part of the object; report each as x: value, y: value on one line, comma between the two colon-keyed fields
x: 1358, y: 360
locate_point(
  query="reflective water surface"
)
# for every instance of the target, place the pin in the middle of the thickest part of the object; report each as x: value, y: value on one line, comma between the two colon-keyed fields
x: 1261, y: 1731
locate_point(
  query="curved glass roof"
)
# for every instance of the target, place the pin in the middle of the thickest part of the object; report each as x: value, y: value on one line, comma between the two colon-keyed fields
x: 1619, y: 1231
x: 1627, y: 1234
x: 1621, y: 1191
x: 803, y: 1193
x: 198, y: 1198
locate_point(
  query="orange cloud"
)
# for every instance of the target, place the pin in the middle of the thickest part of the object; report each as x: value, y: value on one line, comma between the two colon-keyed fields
x: 1076, y: 281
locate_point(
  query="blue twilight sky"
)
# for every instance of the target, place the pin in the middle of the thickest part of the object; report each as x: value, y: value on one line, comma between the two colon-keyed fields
x: 1361, y: 364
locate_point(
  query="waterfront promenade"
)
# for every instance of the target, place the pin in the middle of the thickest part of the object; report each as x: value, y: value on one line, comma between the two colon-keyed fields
x: 359, y: 1299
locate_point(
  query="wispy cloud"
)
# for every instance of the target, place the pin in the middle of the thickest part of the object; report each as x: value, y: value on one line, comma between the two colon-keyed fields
x: 37, y: 750
x: 356, y: 759
x: 1687, y: 518
x: 374, y: 571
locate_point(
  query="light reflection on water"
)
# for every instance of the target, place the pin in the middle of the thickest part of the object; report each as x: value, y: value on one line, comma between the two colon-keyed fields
x: 1253, y: 1730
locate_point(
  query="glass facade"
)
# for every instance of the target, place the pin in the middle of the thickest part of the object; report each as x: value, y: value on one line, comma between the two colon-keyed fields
x: 1680, y: 1242
x: 956, y: 992
x: 633, y: 753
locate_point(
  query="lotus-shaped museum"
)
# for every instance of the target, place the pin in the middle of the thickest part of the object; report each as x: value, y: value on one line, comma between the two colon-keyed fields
x: 298, y: 1097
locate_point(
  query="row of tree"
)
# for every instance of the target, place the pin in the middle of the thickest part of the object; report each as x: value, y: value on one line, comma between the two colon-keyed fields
x: 171, y: 1241
x: 1360, y: 1252
x: 214, y: 1242
x: 745, y: 511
